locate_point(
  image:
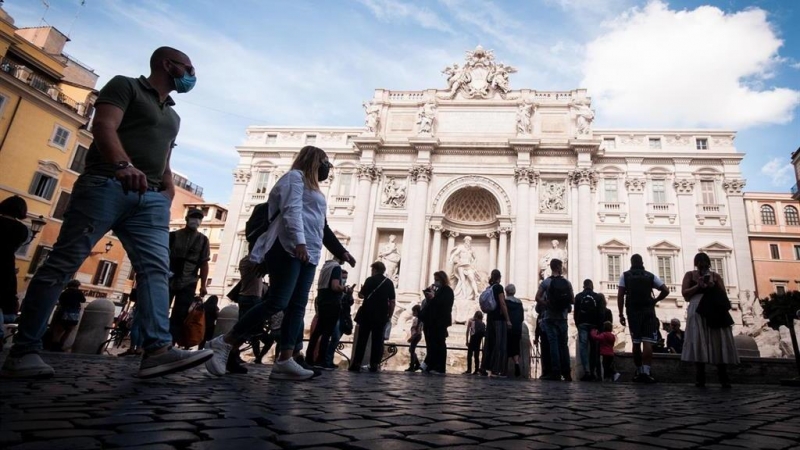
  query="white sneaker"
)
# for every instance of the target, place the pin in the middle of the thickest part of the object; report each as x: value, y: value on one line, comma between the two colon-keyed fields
x: 424, y: 367
x: 218, y: 363
x: 289, y: 370
x: 26, y: 366
x: 616, y: 377
x: 171, y: 361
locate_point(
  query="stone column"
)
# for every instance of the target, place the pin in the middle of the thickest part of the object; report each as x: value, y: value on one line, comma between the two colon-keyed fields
x: 366, y: 174
x: 502, y: 254
x: 684, y: 188
x: 585, y: 178
x: 521, y: 232
x: 411, y: 271
x: 237, y: 217
x: 492, y: 249
x: 451, y: 244
x: 741, y: 242
x: 436, y: 248
x: 533, y: 236
x: 636, y: 204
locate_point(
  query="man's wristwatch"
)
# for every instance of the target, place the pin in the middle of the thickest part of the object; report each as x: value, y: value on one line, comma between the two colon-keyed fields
x: 123, y: 165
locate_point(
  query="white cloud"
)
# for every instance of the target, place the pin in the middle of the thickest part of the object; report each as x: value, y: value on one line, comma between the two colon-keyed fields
x: 392, y: 10
x: 660, y: 67
x: 778, y: 171
x: 795, y: 65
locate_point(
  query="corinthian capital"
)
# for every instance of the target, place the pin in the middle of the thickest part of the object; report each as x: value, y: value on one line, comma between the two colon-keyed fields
x: 421, y: 172
x: 241, y: 176
x: 635, y: 185
x: 369, y: 172
x: 734, y: 186
x: 522, y: 175
x: 684, y: 185
x: 583, y: 176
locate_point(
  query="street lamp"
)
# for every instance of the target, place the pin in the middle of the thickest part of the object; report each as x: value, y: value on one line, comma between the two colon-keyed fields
x: 37, y: 225
x: 109, y: 245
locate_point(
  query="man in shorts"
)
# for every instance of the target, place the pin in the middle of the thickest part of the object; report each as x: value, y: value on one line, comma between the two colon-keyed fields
x: 635, y: 295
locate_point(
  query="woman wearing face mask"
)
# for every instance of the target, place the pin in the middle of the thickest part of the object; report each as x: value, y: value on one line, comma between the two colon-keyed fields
x: 291, y: 247
x: 438, y: 316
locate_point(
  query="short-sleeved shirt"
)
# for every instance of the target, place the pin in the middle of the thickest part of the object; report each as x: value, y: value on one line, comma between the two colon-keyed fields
x: 497, y: 314
x: 71, y: 299
x: 188, y: 251
x: 546, y: 313
x: 375, y: 309
x: 147, y: 131
x: 326, y: 297
x: 633, y: 306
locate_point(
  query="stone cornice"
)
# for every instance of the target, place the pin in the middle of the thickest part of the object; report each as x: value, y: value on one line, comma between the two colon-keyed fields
x: 367, y: 142
x: 424, y: 143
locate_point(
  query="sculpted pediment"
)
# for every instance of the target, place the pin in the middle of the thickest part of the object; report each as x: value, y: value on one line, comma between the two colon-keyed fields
x: 614, y: 245
x: 664, y: 246
x: 716, y: 246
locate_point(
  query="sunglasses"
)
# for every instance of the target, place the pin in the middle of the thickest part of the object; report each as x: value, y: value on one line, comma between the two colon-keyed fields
x: 189, y: 68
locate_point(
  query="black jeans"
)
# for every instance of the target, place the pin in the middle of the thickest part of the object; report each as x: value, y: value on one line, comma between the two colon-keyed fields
x: 328, y: 315
x: 544, y: 351
x: 474, y: 352
x: 594, y: 358
x: 183, y: 299
x: 376, y: 352
x: 608, y: 367
x: 436, y: 358
x: 412, y: 350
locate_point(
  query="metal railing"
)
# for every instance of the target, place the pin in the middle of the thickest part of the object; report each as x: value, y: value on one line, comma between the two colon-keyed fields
x: 41, y: 84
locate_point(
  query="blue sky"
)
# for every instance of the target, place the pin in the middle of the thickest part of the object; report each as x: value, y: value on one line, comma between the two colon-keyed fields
x: 681, y: 64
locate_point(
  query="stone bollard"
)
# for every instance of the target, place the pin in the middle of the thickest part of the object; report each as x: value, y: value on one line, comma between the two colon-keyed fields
x: 226, y: 319
x: 92, y: 331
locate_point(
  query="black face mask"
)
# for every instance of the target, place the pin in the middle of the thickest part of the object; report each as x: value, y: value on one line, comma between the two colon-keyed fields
x: 324, y: 171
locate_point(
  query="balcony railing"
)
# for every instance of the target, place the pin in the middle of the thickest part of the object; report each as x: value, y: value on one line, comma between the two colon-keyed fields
x: 705, y: 211
x: 346, y: 202
x: 611, y: 209
x: 258, y: 197
x: 661, y: 210
x: 41, y: 84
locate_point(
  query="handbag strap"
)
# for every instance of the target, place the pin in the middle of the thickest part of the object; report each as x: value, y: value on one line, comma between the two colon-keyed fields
x: 374, y: 290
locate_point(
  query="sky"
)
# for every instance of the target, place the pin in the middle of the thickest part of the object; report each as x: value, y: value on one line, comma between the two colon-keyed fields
x: 724, y: 64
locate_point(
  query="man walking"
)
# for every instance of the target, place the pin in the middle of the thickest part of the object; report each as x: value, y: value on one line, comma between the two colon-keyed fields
x: 189, y: 255
x: 127, y: 187
x: 556, y: 294
x: 635, y: 294
x: 588, y: 313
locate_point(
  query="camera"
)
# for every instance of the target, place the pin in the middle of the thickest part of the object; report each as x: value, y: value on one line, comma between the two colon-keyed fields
x: 707, y: 278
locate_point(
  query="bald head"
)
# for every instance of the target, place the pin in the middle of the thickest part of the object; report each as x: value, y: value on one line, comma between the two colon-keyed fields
x: 167, y: 53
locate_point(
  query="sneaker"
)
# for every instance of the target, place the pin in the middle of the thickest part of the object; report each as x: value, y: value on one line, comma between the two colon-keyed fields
x: 329, y: 367
x: 171, y: 361
x: 423, y: 367
x: 616, y: 376
x: 289, y: 370
x: 221, y: 350
x: 26, y: 366
x: 301, y: 361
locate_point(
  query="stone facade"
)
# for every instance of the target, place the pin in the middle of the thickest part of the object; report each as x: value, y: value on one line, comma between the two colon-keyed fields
x: 525, y: 175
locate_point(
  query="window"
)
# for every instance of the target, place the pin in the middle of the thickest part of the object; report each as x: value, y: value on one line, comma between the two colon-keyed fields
x: 61, y: 205
x: 655, y: 143
x: 767, y: 215
x: 221, y: 231
x: 609, y: 143
x: 614, y: 268
x: 791, y: 216
x: 132, y: 275
x: 701, y: 144
x: 39, y: 257
x: 208, y: 282
x: 3, y: 101
x: 219, y: 214
x: 659, y: 191
x: 774, y: 252
x: 611, y: 190
x: 718, y: 266
x: 42, y: 186
x: 22, y: 251
x: 105, y: 273
x: 345, y: 181
x: 261, y: 182
x: 780, y: 290
x: 349, y: 141
x: 79, y: 160
x: 707, y: 190
x: 797, y: 252
x: 311, y: 139
x: 272, y: 138
x: 665, y: 269
x: 214, y: 257
x: 60, y: 137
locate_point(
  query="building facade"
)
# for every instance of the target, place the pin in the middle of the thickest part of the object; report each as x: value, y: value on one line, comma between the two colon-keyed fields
x: 774, y: 224
x: 477, y: 176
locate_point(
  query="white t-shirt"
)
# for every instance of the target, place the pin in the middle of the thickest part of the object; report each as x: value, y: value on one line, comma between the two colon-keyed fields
x: 657, y: 283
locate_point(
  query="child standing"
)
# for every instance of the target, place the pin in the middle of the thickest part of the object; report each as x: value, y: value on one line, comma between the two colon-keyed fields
x: 414, y: 338
x: 476, y: 330
x: 606, y: 340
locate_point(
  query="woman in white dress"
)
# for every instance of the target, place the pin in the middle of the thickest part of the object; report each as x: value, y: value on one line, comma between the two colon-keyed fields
x: 703, y: 343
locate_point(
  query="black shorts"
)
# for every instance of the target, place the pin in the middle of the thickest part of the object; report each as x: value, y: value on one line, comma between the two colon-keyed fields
x: 644, y: 326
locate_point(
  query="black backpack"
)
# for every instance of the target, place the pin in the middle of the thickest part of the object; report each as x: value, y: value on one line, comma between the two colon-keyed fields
x: 559, y: 296
x: 258, y: 224
x: 639, y: 287
x: 588, y: 305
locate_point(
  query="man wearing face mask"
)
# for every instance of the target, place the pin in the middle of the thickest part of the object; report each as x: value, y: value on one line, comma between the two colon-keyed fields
x: 127, y: 188
x: 188, y: 261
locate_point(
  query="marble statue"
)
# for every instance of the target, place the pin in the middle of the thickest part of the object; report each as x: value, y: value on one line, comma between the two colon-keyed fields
x: 456, y: 78
x: 425, y: 117
x: 555, y: 252
x: 462, y: 258
x: 371, y: 121
x: 394, y: 194
x: 552, y: 197
x: 583, y: 117
x: 524, y: 113
x: 389, y: 255
x: 498, y: 78
x: 479, y: 77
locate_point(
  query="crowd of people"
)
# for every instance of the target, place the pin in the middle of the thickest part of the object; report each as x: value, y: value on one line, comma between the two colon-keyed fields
x: 128, y: 172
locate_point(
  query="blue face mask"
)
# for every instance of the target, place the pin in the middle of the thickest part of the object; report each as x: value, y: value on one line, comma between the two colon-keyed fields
x: 185, y: 83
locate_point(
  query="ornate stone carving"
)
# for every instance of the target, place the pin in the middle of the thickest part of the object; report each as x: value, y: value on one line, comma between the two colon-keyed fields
x: 684, y: 185
x: 452, y: 234
x: 723, y: 141
x: 492, y: 235
x: 678, y: 140
x: 552, y: 197
x: 474, y: 181
x: 480, y: 77
x: 524, y: 113
x: 437, y: 227
x: 533, y: 177
x: 583, y: 118
x: 425, y: 119
x: 390, y: 256
x: 555, y: 252
x: 421, y: 173
x: 394, y: 193
x: 522, y: 175
x: 504, y: 230
x: 372, y: 118
x: 292, y: 136
x: 733, y: 186
x: 631, y: 139
x: 241, y: 176
x: 635, y: 185
x: 368, y: 172
x: 583, y: 176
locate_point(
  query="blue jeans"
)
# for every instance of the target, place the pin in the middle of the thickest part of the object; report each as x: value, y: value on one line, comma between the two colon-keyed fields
x: 4, y: 319
x: 584, y: 345
x: 290, y: 281
x: 556, y: 330
x: 335, y: 338
x: 141, y: 222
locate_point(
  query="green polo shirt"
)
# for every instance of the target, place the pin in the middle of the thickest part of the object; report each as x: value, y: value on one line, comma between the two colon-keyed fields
x: 147, y: 131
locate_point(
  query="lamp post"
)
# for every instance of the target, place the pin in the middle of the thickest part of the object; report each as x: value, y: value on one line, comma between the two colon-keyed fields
x: 37, y: 225
x: 109, y: 245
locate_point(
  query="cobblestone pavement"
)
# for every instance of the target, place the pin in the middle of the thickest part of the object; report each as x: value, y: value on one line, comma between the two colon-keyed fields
x: 94, y: 402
